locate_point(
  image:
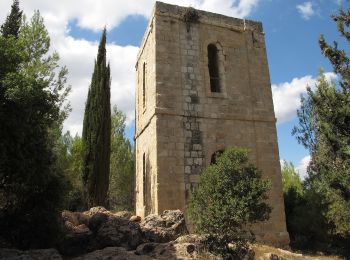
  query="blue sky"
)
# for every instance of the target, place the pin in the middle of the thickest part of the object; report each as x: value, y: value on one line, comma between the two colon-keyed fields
x: 292, y: 29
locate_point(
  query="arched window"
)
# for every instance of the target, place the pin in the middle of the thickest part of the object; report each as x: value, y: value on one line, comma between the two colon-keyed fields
x: 215, y: 155
x: 213, y: 66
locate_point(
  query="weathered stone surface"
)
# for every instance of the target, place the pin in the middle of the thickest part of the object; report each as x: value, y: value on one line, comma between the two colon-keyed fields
x: 165, y: 227
x: 181, y: 122
x: 95, y: 210
x: 76, y: 218
x: 135, y: 219
x: 112, y: 253
x: 173, y: 250
x: 119, y: 232
x: 76, y: 243
x: 124, y: 214
x: 97, y: 220
x: 40, y: 254
x: 102, y: 229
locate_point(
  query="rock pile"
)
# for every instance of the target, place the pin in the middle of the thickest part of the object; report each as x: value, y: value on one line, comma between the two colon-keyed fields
x: 101, y: 234
x: 99, y: 228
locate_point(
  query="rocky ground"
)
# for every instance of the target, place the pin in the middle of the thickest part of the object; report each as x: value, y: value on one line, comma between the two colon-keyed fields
x: 100, y: 234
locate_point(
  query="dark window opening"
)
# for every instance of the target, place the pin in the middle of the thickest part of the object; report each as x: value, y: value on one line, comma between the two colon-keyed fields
x: 144, y: 178
x: 215, y: 156
x: 213, y: 65
x: 144, y: 85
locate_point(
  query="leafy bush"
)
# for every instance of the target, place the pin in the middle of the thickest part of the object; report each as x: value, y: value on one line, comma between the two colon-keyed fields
x: 230, y: 196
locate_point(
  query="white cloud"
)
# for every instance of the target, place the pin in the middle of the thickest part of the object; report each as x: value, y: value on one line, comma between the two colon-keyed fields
x: 78, y: 54
x: 286, y: 96
x: 302, y: 167
x: 306, y: 10
x: 282, y: 163
x: 92, y: 14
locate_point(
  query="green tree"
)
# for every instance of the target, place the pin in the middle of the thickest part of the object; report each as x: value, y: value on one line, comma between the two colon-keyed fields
x: 122, y: 177
x: 69, y: 152
x: 231, y: 195
x: 304, y: 209
x: 97, y: 132
x: 32, y: 102
x: 13, y: 21
x: 290, y: 178
x: 324, y: 129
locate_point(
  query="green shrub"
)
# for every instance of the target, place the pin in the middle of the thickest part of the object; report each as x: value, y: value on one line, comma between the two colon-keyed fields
x: 230, y: 196
x: 305, y: 212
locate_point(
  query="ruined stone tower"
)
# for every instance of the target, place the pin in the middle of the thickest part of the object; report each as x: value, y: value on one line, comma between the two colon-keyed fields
x: 202, y: 85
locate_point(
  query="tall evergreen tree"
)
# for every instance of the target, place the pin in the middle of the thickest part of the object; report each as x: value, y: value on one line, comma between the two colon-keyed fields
x: 13, y: 21
x: 97, y: 132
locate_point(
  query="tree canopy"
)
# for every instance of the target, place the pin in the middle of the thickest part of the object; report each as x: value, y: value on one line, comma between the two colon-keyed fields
x: 324, y: 129
x: 32, y: 100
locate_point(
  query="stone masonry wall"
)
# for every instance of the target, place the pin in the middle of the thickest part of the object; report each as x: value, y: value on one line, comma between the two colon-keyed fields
x: 185, y: 123
x: 145, y: 134
x: 191, y: 82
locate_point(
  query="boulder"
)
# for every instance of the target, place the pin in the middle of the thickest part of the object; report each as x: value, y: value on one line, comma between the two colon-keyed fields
x: 123, y: 214
x: 78, y: 241
x: 118, y: 232
x: 96, y: 221
x: 98, y: 228
x: 76, y: 218
x: 164, y: 228
x: 15, y: 254
x: 112, y: 253
x: 103, y: 229
x: 95, y: 210
x: 135, y: 219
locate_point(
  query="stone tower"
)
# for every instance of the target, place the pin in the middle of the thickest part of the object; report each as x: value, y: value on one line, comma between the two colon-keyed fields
x: 202, y: 85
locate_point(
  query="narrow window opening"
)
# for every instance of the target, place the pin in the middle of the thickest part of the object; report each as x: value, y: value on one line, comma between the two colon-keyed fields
x: 215, y: 156
x: 213, y: 65
x: 144, y: 85
x: 144, y: 178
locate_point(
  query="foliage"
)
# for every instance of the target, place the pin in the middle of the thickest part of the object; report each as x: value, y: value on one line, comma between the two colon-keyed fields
x: 324, y: 129
x: 231, y: 195
x: 306, y: 224
x: 325, y: 113
x: 33, y: 91
x: 69, y: 152
x: 97, y: 132
x: 13, y: 21
x: 190, y: 16
x: 122, y: 177
x: 290, y: 179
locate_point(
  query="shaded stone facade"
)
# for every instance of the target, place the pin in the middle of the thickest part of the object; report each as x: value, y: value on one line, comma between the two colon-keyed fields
x: 202, y: 86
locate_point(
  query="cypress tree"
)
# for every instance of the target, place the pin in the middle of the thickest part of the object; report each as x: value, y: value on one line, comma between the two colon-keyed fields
x: 97, y: 132
x: 13, y: 21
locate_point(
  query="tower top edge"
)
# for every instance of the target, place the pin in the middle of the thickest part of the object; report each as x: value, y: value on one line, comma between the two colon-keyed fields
x: 161, y: 8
